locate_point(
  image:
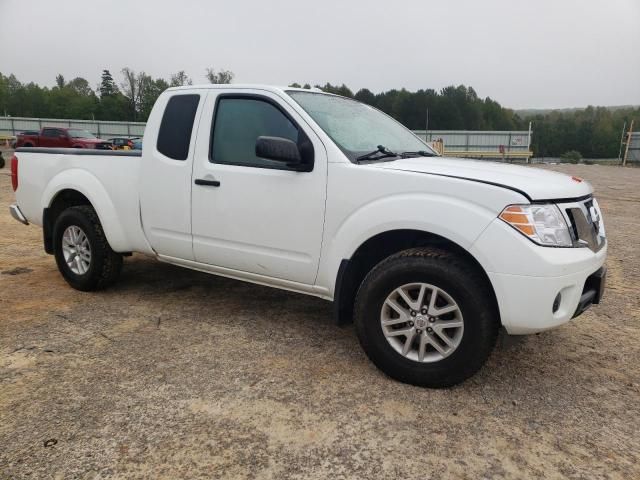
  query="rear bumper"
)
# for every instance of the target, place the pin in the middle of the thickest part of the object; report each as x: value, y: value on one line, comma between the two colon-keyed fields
x: 17, y: 214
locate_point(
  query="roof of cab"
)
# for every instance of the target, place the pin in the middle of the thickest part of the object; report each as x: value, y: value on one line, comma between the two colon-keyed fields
x: 241, y: 86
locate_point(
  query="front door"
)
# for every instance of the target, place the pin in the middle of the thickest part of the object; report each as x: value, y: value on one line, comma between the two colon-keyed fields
x: 251, y: 214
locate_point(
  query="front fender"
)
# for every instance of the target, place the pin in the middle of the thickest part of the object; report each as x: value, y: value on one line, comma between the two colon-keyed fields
x: 88, y: 185
x: 457, y: 220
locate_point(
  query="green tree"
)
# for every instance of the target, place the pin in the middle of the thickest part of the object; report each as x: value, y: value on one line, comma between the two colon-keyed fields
x: 365, y: 95
x: 107, y: 85
x: 337, y: 90
x: 179, y: 79
x: 113, y: 107
x: 60, y: 81
x: 223, y: 76
x: 80, y: 86
x: 149, y: 90
x: 130, y: 91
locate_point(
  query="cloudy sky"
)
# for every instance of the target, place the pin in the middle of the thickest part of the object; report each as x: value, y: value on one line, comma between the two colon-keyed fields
x: 523, y: 53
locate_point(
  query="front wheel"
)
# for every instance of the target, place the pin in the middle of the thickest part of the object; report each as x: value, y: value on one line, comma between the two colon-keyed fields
x: 424, y: 317
x: 84, y: 257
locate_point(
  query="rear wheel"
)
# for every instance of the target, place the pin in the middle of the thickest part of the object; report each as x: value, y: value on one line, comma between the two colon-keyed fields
x: 425, y: 317
x: 84, y: 257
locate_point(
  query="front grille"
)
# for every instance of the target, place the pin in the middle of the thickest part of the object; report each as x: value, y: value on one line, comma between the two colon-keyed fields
x: 103, y: 146
x: 587, y: 227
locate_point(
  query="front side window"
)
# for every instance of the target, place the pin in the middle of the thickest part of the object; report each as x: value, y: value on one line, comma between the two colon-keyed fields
x: 355, y: 127
x: 238, y: 122
x: 174, y: 135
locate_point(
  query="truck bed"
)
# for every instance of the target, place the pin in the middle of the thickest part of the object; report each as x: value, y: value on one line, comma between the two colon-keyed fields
x: 109, y: 179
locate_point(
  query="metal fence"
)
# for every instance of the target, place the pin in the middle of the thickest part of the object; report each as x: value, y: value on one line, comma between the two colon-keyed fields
x: 633, y: 151
x: 460, y: 143
x: 482, y: 144
x: 102, y: 129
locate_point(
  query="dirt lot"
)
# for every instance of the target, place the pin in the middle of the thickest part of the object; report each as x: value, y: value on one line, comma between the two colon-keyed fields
x: 174, y: 374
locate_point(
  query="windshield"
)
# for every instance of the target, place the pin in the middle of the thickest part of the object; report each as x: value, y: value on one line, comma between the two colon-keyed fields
x: 355, y: 127
x: 75, y: 133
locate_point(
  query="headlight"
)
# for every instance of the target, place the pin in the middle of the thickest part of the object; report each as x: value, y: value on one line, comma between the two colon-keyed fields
x: 544, y: 224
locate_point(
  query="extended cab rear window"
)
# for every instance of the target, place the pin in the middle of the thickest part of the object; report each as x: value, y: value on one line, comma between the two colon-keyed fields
x: 174, y: 135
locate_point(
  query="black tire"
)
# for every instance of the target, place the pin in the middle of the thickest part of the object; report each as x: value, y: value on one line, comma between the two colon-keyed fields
x: 450, y: 273
x: 105, y: 264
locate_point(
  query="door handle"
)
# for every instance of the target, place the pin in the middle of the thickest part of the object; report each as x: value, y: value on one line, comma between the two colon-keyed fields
x: 208, y: 183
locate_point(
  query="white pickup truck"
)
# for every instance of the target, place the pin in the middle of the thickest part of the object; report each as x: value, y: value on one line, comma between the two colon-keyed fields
x: 326, y: 196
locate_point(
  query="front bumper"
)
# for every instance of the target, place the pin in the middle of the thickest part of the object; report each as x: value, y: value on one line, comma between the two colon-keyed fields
x: 527, y: 279
x: 17, y: 214
x: 593, y: 291
x: 527, y: 303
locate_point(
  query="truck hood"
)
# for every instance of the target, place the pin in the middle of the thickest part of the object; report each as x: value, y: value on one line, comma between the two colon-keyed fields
x: 534, y: 183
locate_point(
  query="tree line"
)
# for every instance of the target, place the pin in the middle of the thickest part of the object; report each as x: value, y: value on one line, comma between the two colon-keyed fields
x: 131, y: 99
x: 593, y: 131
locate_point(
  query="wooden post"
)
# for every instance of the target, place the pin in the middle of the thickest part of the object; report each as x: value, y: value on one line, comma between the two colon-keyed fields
x: 624, y: 131
x: 626, y: 148
x: 529, y: 144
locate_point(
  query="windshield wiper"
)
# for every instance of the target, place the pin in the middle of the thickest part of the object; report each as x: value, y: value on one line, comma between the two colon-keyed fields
x: 419, y: 153
x: 380, y: 152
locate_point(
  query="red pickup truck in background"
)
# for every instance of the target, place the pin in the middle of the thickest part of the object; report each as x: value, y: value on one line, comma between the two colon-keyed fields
x: 57, y: 137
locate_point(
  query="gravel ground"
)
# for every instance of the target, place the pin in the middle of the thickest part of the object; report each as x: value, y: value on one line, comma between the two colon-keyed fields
x: 174, y: 374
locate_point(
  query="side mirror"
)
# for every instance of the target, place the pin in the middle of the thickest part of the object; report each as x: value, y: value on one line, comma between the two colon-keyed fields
x: 63, y: 136
x: 279, y: 149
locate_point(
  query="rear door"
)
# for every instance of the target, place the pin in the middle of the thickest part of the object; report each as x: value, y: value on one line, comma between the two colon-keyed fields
x: 165, y: 183
x: 256, y: 215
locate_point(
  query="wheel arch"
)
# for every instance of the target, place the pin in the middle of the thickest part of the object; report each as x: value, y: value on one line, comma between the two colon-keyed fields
x: 353, y: 270
x: 64, y: 199
x: 78, y: 187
